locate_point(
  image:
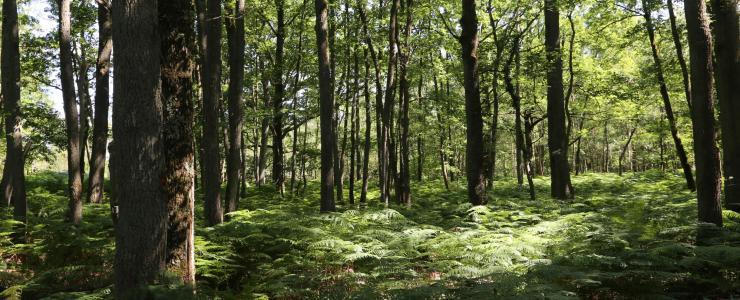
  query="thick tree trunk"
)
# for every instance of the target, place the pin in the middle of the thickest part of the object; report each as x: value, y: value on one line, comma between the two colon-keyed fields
x: 388, y: 106
x: 83, y: 87
x: 727, y: 67
x: 473, y: 113
x: 680, y: 151
x: 325, y: 106
x: 236, y: 106
x: 211, y: 78
x: 561, y: 187
x: 13, y: 172
x: 706, y: 154
x: 176, y: 27
x: 71, y: 115
x: 141, y: 232
x: 404, y: 188
x: 277, y: 99
x: 102, y: 102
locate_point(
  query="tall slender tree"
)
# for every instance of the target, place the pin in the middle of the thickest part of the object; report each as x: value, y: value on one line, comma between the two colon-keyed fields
x: 236, y: 105
x: 680, y: 151
x: 277, y: 98
x: 561, y: 187
x: 102, y: 102
x: 10, y: 65
x: 71, y: 115
x: 727, y: 73
x: 141, y: 231
x: 325, y: 106
x: 176, y: 23
x: 211, y: 82
x: 705, y: 151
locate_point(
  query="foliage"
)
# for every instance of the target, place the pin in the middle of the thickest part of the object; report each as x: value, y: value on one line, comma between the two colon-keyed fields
x: 622, y: 237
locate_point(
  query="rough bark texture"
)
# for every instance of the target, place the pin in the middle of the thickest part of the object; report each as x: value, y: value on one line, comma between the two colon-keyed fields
x: 727, y: 74
x: 475, y: 156
x: 404, y: 189
x: 211, y: 78
x: 561, y: 187
x: 236, y: 106
x: 102, y: 102
x: 141, y: 231
x: 11, y: 92
x: 176, y: 19
x: 680, y: 151
x: 71, y: 115
x: 705, y: 152
x: 277, y: 99
x: 390, y: 95
x: 325, y: 106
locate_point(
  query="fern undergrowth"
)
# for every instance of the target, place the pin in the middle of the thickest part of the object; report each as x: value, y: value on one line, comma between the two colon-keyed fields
x: 620, y: 238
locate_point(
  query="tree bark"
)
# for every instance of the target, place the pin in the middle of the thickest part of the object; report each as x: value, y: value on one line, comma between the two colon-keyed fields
x: 388, y: 106
x: 211, y: 78
x: 680, y: 151
x: 473, y: 113
x: 705, y: 152
x: 679, y: 54
x: 624, y: 150
x: 141, y: 231
x: 404, y: 189
x: 83, y: 87
x: 325, y: 107
x: 176, y: 21
x: 277, y: 99
x: 236, y: 106
x: 71, y: 115
x: 354, y: 128
x: 13, y: 172
x: 102, y: 102
x: 727, y: 66
x: 561, y: 187
x: 368, y: 125
x: 264, y: 126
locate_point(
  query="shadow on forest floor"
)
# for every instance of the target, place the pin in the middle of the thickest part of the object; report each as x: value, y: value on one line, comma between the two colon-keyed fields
x: 621, y: 237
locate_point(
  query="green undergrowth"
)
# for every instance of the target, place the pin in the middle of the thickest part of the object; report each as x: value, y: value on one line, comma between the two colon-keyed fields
x: 620, y: 238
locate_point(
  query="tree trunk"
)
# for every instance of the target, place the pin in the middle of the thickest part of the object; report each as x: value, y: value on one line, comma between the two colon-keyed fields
x: 404, y: 189
x: 71, y: 115
x: 264, y: 127
x: 442, y: 155
x: 516, y: 103
x: 83, y: 87
x: 679, y: 54
x: 325, y: 106
x: 624, y: 150
x: 368, y: 125
x: 236, y: 106
x: 176, y: 26
x: 561, y: 187
x: 277, y: 100
x: 354, y: 129
x: 680, y: 151
x: 141, y: 232
x: 727, y: 66
x: 13, y: 172
x: 211, y: 78
x: 473, y: 113
x: 102, y: 102
x: 705, y: 153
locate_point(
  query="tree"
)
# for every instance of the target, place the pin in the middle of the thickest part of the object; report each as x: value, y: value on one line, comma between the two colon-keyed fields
x: 100, y: 120
x: 71, y: 114
x: 666, y: 99
x: 141, y: 230
x: 277, y: 99
x: 325, y: 106
x: 10, y: 65
x: 236, y: 106
x: 211, y: 82
x: 404, y: 188
x: 561, y: 187
x: 475, y: 150
x: 705, y: 152
x: 176, y: 20
x: 727, y: 75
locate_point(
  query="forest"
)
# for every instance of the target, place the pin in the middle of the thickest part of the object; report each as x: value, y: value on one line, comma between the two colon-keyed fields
x: 370, y: 149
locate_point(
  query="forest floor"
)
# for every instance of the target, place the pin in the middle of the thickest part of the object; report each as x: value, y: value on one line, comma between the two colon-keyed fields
x: 622, y: 237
